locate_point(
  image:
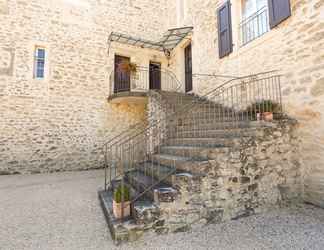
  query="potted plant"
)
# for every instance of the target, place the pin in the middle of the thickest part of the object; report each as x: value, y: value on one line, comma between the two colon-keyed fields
x: 128, y: 67
x: 264, y: 110
x: 121, y: 209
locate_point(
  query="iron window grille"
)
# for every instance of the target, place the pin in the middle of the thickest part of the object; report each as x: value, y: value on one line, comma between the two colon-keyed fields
x: 254, y: 26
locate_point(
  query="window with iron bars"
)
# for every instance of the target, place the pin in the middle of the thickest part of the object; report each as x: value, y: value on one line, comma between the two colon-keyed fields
x: 255, y: 20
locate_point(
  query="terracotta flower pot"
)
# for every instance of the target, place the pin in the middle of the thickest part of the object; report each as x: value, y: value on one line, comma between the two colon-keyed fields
x: 268, y: 116
x: 117, y: 209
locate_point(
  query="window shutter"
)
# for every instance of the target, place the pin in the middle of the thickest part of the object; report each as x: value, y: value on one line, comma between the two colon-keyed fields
x: 225, y: 42
x: 279, y: 10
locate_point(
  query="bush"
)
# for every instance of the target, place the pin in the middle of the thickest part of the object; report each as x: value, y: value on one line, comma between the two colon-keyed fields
x: 119, y: 192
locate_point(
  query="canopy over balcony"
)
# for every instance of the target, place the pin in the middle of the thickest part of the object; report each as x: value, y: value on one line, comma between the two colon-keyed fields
x: 167, y: 43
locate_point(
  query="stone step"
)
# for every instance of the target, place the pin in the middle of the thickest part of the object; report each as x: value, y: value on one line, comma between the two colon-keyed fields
x: 205, y: 124
x: 159, y: 172
x: 182, y: 164
x: 199, y: 141
x: 177, y: 94
x: 203, y: 112
x: 199, y: 153
x: 120, y: 230
x: 212, y: 133
x: 153, y: 188
x: 145, y: 212
x: 194, y: 106
x: 199, y: 116
x: 184, y: 100
x: 172, y: 96
x: 169, y: 175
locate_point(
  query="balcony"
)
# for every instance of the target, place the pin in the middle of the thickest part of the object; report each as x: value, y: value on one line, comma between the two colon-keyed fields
x: 132, y: 84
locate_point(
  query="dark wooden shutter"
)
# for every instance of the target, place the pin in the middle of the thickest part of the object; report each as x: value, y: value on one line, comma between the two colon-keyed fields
x: 225, y: 42
x: 188, y: 68
x: 279, y: 10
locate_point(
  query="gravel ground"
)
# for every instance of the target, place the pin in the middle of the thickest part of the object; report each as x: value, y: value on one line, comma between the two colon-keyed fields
x: 62, y: 211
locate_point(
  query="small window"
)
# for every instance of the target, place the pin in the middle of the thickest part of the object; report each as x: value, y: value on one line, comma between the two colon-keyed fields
x: 39, y: 63
x: 255, y: 20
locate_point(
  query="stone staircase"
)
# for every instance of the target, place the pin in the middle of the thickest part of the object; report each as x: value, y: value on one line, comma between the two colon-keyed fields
x: 203, y: 172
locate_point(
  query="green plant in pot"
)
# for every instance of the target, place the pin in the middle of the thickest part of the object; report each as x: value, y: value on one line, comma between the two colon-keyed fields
x: 264, y: 109
x: 121, y: 202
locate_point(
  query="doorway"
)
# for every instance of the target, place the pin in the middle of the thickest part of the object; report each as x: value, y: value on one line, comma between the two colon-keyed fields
x: 122, y: 76
x: 155, y: 75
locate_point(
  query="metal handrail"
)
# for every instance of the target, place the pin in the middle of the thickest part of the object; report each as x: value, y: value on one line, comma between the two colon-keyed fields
x: 236, y: 97
x: 140, y: 79
x: 190, y: 105
x: 176, y: 89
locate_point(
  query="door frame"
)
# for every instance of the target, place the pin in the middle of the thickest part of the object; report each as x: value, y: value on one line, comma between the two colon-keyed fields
x: 122, y: 86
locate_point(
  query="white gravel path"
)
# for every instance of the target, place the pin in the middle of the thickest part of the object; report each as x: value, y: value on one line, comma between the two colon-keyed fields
x: 62, y: 211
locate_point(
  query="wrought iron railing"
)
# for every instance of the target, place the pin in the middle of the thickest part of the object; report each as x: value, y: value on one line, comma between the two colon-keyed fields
x: 141, y: 79
x: 235, y: 103
x: 254, y: 26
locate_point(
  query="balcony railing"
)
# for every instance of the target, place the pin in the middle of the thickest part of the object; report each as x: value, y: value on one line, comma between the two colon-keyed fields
x: 141, y: 80
x: 254, y: 26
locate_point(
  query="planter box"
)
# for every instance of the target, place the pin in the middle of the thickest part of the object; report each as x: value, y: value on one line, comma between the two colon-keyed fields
x: 117, y: 209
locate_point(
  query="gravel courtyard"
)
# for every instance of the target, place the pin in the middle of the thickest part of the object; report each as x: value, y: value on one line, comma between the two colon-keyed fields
x: 62, y: 211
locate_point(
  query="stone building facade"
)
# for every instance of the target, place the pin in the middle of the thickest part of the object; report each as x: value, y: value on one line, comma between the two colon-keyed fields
x: 295, y: 47
x: 60, y: 122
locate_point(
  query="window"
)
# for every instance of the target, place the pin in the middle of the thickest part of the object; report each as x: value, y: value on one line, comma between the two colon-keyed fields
x: 39, y: 63
x: 257, y: 18
x: 255, y: 21
x: 250, y: 7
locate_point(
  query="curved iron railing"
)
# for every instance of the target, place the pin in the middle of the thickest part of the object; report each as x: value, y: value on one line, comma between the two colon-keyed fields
x: 226, y: 107
x: 169, y: 82
x: 141, y: 79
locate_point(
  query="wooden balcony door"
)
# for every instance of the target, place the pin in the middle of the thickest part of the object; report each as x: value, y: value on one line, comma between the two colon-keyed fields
x: 122, y: 76
x: 155, y: 75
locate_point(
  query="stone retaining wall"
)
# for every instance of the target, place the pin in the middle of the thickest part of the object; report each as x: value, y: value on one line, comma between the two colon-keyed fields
x: 256, y: 174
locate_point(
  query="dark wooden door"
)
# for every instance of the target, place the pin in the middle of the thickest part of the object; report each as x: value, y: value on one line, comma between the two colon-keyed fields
x: 188, y: 68
x: 122, y: 75
x: 155, y: 75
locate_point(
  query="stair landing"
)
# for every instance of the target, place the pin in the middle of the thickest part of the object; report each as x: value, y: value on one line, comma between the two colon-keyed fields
x: 131, y: 228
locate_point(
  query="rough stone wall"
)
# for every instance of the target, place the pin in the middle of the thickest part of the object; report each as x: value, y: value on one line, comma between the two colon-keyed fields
x: 296, y: 48
x: 258, y: 173
x: 158, y: 111
x: 60, y: 123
